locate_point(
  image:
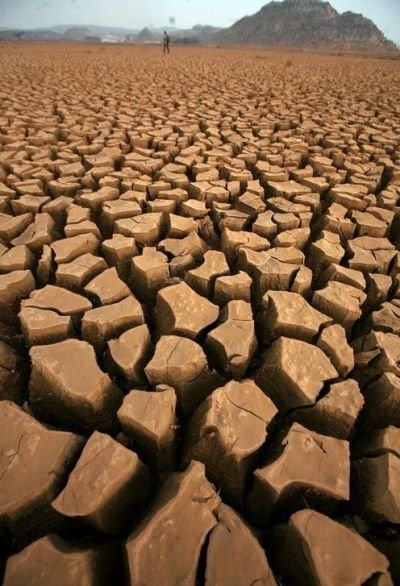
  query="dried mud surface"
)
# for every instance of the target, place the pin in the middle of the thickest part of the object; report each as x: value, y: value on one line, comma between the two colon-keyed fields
x: 199, y: 317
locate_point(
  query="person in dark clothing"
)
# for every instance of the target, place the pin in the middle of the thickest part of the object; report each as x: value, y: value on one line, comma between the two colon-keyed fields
x: 166, y: 42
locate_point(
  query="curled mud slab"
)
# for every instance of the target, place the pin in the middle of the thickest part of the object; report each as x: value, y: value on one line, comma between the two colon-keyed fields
x: 199, y: 317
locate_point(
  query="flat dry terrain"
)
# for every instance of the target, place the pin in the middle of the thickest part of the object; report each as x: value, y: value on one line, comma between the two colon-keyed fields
x: 199, y: 317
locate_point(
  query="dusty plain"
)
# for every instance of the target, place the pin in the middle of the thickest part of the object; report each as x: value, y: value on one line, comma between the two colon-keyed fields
x: 199, y: 317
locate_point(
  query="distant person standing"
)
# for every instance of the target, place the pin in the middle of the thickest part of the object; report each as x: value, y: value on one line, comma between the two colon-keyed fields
x: 166, y: 42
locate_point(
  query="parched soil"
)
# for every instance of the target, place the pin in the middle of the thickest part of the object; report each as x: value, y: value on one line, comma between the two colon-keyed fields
x: 199, y: 317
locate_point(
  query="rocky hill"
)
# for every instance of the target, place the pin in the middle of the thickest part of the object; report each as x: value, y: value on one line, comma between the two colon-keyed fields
x: 147, y: 36
x: 306, y: 24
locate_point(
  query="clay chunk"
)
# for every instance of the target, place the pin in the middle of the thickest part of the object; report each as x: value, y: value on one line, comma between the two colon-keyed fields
x: 69, y: 249
x: 129, y: 354
x: 182, y: 364
x: 226, y: 433
x: 107, y: 288
x: 13, y: 226
x: 102, y: 323
x: 50, y: 561
x: 376, y: 486
x: 336, y: 413
x: 41, y: 326
x: 68, y: 388
x: 234, y: 556
x: 182, y: 311
x: 147, y: 273
x: 382, y: 403
x: 375, y: 354
x: 272, y: 274
x: 95, y: 200
x: 77, y: 273
x: 293, y: 373
x: 18, y: 258
x: 289, y: 314
x: 325, y: 251
x: 232, y: 287
x: 12, y: 374
x: 118, y: 252
x: 145, y: 229
x: 59, y: 300
x: 310, y: 466
x: 333, y: 342
x: 377, y: 443
x: 325, y: 552
x: 232, y: 241
x: 35, y: 462
x: 51, y: 315
x: 37, y: 234
x: 341, y: 302
x: 202, y: 279
x: 233, y: 343
x: 386, y: 319
x: 166, y: 547
x: 149, y: 419
x: 14, y: 287
x: 44, y: 271
x: 107, y: 488
x: 191, y: 244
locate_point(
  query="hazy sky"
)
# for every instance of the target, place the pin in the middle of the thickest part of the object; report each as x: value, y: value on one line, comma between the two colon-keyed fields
x: 180, y: 13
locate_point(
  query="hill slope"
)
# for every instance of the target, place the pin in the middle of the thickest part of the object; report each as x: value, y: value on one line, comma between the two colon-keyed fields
x: 306, y: 24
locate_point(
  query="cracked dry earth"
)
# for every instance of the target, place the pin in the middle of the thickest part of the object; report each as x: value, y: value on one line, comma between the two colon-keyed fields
x: 200, y: 317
